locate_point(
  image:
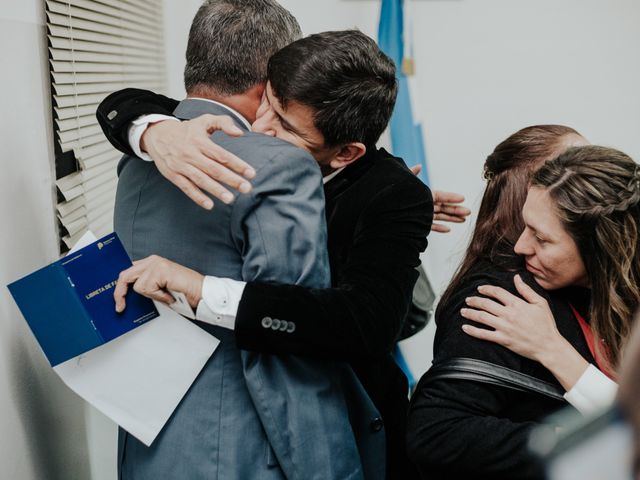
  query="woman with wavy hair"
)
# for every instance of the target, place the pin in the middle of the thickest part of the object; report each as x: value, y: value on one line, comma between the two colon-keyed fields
x: 503, y: 361
x: 594, y: 192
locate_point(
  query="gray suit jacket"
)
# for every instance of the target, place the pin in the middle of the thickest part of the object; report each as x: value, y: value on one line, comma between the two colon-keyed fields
x: 248, y: 415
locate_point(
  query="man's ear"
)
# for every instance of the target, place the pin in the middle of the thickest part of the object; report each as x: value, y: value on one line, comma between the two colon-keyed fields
x: 257, y: 91
x: 347, y: 154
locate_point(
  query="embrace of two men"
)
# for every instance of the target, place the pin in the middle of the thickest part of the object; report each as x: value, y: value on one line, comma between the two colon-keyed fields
x: 306, y: 279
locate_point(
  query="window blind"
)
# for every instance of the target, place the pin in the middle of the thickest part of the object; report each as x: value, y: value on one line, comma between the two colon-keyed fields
x: 95, y: 48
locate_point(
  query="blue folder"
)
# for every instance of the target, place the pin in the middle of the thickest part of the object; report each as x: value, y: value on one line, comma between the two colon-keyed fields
x: 69, y: 304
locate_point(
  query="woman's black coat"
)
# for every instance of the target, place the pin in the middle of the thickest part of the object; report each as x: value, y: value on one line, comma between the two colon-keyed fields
x: 469, y: 429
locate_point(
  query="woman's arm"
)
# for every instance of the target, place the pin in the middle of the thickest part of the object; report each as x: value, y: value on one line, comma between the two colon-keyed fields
x: 455, y: 427
x: 593, y: 392
x: 527, y: 327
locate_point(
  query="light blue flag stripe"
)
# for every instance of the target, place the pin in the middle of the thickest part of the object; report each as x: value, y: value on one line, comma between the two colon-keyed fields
x: 406, y: 136
x: 404, y: 366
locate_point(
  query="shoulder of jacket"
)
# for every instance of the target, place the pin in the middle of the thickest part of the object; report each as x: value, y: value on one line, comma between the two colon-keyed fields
x: 263, y: 151
x: 397, y: 176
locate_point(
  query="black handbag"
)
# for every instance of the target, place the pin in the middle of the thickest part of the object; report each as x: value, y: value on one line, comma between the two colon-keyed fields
x: 421, y: 309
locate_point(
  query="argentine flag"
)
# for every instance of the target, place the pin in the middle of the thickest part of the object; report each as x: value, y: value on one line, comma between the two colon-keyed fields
x: 406, y: 136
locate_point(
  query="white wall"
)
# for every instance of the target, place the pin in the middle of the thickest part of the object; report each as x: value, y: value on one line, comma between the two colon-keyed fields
x: 486, y: 68
x: 42, y: 426
x: 46, y: 431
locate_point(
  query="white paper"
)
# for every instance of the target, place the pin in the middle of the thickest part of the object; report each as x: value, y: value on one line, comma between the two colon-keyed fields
x: 181, y: 305
x: 138, y: 379
x: 86, y: 239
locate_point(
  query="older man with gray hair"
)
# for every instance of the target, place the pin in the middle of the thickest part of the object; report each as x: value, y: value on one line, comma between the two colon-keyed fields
x: 248, y: 415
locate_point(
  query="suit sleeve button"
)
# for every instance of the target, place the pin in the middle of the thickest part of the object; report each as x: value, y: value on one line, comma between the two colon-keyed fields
x: 276, y: 324
x: 291, y: 327
x: 266, y: 322
x: 284, y: 325
x: 377, y: 424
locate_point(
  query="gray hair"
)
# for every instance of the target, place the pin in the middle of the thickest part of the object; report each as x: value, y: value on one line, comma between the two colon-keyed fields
x: 231, y: 41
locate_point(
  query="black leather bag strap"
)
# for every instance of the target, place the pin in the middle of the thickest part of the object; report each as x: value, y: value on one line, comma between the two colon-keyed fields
x: 480, y: 371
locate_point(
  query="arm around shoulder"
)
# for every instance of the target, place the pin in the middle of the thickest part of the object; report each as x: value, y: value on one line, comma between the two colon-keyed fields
x: 280, y: 225
x: 361, y: 316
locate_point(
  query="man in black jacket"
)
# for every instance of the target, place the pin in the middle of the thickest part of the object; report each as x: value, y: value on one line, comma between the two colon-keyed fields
x: 379, y: 215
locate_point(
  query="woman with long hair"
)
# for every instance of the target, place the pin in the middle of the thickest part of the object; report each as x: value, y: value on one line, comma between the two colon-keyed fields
x: 597, y: 203
x: 473, y: 411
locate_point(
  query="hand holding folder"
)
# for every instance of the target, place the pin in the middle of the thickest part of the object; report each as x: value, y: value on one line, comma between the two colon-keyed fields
x: 69, y: 303
x: 134, y: 367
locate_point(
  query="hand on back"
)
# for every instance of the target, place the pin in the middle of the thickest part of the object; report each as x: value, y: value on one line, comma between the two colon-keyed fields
x: 446, y: 207
x: 185, y: 155
x: 524, y: 325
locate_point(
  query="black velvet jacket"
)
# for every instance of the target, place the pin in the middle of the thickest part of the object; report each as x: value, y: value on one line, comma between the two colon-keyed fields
x: 378, y: 217
x: 460, y: 428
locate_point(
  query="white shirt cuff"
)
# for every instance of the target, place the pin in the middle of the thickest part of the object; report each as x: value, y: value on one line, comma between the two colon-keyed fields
x: 137, y: 128
x: 220, y: 301
x: 593, y: 391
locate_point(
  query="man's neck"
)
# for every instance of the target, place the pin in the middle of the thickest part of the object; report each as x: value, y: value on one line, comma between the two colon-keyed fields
x: 246, y: 103
x: 229, y: 109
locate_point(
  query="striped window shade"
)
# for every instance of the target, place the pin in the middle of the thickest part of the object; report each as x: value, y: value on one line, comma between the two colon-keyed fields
x: 95, y: 48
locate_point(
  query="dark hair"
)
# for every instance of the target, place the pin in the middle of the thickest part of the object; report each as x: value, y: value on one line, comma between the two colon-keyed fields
x: 596, y: 191
x: 344, y: 77
x: 508, y: 172
x: 230, y: 43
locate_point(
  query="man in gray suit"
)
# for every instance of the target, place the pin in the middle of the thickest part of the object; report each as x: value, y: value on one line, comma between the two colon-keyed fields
x: 248, y: 415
